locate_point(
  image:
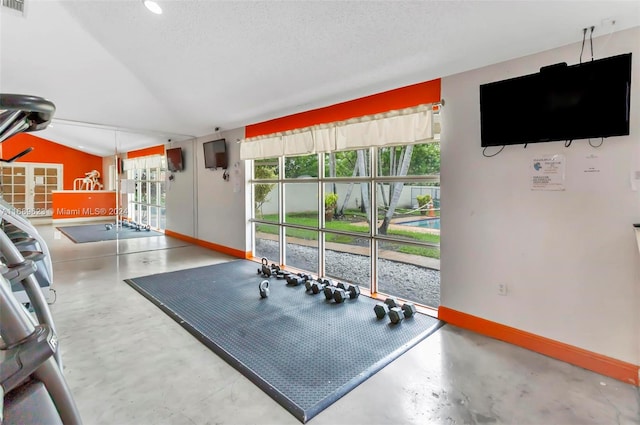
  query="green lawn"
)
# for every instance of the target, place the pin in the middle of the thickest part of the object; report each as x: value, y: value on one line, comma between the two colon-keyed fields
x: 310, y: 219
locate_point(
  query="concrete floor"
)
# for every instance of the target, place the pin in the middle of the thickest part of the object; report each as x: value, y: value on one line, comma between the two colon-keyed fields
x: 129, y: 363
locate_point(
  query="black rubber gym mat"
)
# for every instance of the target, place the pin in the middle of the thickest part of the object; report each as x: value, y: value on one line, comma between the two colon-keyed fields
x: 98, y: 232
x: 300, y: 349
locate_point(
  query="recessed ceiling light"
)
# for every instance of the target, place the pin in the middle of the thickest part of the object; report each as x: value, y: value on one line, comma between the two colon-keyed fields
x: 80, y: 146
x: 153, y: 6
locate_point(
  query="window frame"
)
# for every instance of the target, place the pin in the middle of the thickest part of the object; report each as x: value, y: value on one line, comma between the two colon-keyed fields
x: 374, y: 238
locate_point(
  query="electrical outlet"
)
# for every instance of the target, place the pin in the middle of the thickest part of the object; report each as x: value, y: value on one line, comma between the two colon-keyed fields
x: 608, y: 23
x: 502, y: 289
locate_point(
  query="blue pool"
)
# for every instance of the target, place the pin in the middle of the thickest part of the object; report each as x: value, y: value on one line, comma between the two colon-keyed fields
x: 429, y: 223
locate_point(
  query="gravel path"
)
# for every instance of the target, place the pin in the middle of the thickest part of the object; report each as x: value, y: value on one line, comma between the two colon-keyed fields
x: 407, y: 281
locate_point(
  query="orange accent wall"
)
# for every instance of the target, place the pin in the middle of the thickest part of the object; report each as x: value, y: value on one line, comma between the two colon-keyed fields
x: 154, y: 150
x: 83, y: 203
x: 210, y: 245
x: 75, y: 163
x: 403, y: 97
x: 608, y: 366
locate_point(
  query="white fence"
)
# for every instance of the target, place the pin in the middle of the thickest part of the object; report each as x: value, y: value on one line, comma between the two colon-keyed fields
x: 301, y: 197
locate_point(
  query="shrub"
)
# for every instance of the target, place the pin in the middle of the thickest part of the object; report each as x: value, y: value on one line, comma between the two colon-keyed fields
x: 330, y: 201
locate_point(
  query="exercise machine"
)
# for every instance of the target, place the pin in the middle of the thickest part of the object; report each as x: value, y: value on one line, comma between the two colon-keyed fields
x: 32, y: 386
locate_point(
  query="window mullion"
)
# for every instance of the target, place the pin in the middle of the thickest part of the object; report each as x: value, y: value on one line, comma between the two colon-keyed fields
x: 281, y: 228
x: 373, y: 242
x: 321, y: 218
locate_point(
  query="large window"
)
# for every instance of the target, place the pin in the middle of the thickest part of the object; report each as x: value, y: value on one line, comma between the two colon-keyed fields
x: 146, y: 204
x: 368, y: 216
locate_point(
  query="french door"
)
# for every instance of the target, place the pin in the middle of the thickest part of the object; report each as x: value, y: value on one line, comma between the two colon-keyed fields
x: 29, y: 187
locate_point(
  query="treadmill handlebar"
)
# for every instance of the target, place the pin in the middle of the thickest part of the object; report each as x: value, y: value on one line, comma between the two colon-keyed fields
x: 17, y: 272
x: 23, y: 358
x: 38, y: 110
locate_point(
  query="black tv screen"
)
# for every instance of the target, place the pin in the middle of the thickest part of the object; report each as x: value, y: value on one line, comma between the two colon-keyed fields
x: 215, y: 154
x: 174, y: 160
x: 588, y: 100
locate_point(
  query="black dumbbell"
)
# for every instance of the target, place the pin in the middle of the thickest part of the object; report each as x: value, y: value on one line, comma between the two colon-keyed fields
x: 330, y: 291
x: 263, y: 287
x: 381, y: 309
x: 319, y: 285
x: 298, y: 279
x: 108, y: 226
x: 397, y: 314
x: 346, y: 292
x: 280, y: 274
x: 275, y: 269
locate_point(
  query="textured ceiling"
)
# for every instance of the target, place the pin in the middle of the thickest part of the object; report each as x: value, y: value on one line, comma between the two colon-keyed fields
x: 207, y: 64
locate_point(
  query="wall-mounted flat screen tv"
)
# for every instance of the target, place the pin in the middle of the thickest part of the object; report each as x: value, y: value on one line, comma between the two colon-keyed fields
x: 215, y: 154
x: 587, y: 100
x: 175, y: 162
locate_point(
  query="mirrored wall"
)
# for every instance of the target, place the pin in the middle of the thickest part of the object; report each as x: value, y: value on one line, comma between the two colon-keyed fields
x: 91, y: 190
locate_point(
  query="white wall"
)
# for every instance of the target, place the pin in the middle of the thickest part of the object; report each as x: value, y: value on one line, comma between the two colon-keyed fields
x: 569, y: 258
x: 180, y: 192
x: 221, y: 210
x: 107, y: 161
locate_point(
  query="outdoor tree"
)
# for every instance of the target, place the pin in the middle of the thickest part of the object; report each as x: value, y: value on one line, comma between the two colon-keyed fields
x: 262, y: 190
x: 301, y: 166
x: 400, y: 161
x: 426, y: 159
x: 399, y: 168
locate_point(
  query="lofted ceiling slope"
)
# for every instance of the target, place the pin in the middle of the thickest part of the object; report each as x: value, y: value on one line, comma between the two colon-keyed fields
x: 207, y: 64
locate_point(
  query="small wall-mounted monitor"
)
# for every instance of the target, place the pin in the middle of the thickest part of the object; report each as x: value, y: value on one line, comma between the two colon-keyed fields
x: 174, y: 160
x: 215, y: 154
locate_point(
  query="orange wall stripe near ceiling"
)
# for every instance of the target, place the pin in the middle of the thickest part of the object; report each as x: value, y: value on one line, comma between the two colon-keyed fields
x: 604, y: 365
x: 75, y: 163
x: 404, y: 97
x: 154, y: 150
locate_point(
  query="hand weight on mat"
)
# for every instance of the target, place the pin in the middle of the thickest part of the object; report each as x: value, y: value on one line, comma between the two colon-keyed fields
x: 281, y: 274
x: 381, y: 310
x: 396, y: 313
x: 318, y: 286
x: 298, y: 279
x: 264, y: 289
x: 350, y: 292
x: 341, y: 292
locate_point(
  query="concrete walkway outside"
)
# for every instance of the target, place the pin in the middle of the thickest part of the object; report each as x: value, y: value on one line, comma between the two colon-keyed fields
x: 418, y: 260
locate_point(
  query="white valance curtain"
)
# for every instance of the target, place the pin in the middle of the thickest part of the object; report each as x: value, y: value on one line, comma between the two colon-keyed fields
x: 151, y: 161
x: 400, y: 127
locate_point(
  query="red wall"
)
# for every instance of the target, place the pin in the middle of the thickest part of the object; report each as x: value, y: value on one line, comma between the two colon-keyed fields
x: 154, y: 150
x: 400, y: 98
x: 75, y: 163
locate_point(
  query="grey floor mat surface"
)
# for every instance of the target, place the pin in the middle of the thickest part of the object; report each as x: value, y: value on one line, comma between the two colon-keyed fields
x: 301, y: 350
x: 98, y: 232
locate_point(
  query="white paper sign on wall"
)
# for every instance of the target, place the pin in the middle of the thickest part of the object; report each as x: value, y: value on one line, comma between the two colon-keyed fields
x: 548, y: 172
